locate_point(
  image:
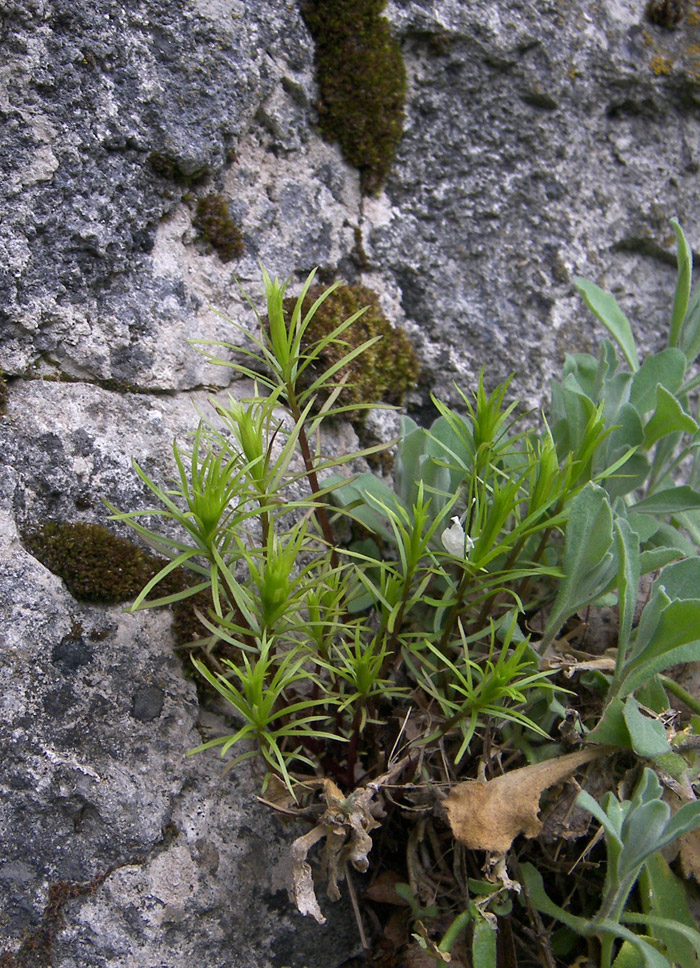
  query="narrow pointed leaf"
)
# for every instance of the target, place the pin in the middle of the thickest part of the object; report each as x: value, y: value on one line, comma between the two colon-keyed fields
x: 684, y: 821
x: 690, y: 333
x: 606, y: 308
x: 628, y: 575
x: 685, y: 276
x: 675, y: 639
x: 484, y: 946
x: 651, y: 956
x: 589, y: 559
x: 665, y: 904
x: 541, y: 902
x: 670, y: 501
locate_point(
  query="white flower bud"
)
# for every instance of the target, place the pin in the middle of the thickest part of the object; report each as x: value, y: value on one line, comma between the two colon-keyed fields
x: 455, y: 541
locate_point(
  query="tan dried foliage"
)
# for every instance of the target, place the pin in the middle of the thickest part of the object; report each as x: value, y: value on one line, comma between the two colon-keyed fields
x: 690, y: 855
x: 345, y: 824
x: 489, y: 815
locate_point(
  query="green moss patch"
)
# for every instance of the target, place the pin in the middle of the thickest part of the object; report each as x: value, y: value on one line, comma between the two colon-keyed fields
x: 666, y: 13
x: 217, y: 228
x: 385, y: 371
x: 362, y: 83
x: 95, y: 564
x: 99, y: 567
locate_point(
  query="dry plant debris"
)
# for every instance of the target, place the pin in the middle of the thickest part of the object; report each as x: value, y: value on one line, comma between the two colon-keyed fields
x: 489, y: 815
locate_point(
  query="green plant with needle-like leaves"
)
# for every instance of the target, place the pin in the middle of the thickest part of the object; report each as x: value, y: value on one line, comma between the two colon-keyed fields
x: 260, y: 690
x: 326, y: 648
x: 467, y: 691
x: 259, y: 538
x: 492, y: 501
x: 356, y: 671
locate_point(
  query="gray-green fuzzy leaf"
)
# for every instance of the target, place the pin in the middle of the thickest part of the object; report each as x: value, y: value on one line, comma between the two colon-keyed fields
x: 669, y: 418
x: 589, y: 563
x: 606, y: 308
x: 685, y: 278
x: 672, y: 500
x: 666, y: 368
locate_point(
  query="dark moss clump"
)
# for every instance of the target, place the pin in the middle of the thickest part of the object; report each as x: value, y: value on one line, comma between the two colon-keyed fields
x: 187, y: 629
x: 96, y: 565
x: 666, y: 13
x: 3, y: 395
x: 385, y: 371
x: 217, y: 228
x: 358, y: 253
x: 362, y: 83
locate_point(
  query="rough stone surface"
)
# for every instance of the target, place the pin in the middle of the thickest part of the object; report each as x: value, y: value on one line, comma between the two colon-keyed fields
x: 542, y: 141
x: 159, y: 858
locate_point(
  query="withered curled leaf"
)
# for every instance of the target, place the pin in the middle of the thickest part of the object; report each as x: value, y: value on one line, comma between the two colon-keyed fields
x: 293, y: 873
x: 489, y: 815
x: 345, y: 824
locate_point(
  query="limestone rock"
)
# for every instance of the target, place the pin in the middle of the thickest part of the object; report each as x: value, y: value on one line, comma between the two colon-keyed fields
x: 542, y: 140
x: 115, y: 846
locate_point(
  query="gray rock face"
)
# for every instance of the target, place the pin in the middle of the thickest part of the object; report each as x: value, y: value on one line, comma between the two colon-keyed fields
x: 542, y: 140
x: 118, y: 848
x: 106, y: 107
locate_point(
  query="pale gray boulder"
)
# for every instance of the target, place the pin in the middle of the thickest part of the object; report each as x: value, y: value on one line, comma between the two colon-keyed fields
x: 540, y: 142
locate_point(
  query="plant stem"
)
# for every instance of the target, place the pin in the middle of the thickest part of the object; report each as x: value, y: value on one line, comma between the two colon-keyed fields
x: 455, y: 610
x: 352, y: 751
x: 544, y: 540
x: 680, y: 693
x: 320, y: 511
x: 454, y: 931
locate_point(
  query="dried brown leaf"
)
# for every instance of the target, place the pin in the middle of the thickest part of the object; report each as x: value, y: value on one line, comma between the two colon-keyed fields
x: 345, y: 824
x: 690, y: 855
x: 570, y: 665
x: 348, y: 821
x: 294, y: 873
x: 489, y: 815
